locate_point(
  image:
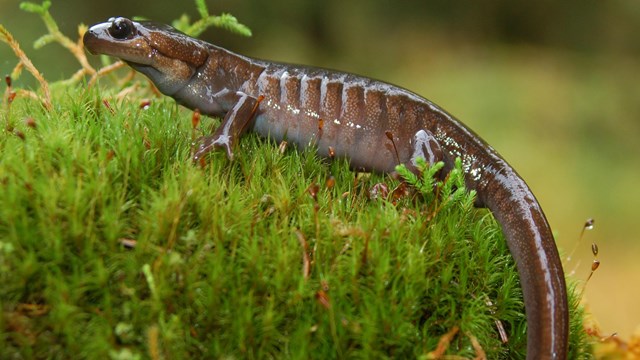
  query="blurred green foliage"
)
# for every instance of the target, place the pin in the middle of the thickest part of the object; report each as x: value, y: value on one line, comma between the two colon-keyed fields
x: 590, y: 27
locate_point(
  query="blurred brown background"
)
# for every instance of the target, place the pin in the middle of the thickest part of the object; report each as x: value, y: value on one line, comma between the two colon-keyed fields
x: 554, y: 86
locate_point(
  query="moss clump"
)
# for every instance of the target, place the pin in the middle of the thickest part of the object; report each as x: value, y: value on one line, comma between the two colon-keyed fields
x: 113, y: 244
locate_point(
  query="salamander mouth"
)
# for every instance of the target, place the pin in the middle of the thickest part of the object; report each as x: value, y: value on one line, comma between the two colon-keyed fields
x: 143, y: 68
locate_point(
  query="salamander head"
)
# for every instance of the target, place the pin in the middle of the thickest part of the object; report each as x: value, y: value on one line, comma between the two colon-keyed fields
x: 168, y: 57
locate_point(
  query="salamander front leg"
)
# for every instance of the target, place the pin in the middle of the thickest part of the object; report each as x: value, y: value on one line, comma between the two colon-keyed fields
x: 235, y: 123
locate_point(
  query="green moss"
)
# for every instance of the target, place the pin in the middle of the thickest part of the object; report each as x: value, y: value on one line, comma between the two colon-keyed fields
x: 217, y: 269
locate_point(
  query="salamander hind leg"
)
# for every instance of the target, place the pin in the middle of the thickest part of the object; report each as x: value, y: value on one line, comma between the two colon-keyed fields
x: 425, y: 146
x: 235, y: 123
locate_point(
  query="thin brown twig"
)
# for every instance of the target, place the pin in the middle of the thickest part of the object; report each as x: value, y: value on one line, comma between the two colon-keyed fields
x: 6, y: 36
x: 78, y: 51
x: 104, y: 71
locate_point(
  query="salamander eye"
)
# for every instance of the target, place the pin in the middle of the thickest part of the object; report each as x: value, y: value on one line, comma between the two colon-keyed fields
x: 122, y: 28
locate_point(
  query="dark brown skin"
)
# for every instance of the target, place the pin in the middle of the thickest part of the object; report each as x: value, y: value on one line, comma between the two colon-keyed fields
x: 351, y: 115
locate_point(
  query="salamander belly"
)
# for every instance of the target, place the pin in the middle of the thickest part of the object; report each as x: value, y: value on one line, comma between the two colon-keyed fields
x: 365, y: 150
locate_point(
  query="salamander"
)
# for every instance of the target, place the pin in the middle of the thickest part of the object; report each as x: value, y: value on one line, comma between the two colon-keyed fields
x: 375, y: 125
